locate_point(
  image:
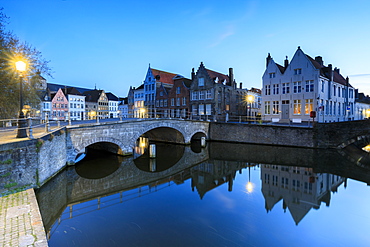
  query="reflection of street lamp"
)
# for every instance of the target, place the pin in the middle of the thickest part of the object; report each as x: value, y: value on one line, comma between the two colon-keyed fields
x: 22, y: 124
x: 142, y: 112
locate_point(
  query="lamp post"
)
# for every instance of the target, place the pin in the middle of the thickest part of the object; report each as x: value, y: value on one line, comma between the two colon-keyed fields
x: 22, y: 123
x: 250, y: 99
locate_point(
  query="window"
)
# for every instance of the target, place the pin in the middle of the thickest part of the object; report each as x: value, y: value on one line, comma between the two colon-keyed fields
x: 161, y: 93
x: 267, y: 89
x: 297, y: 107
x: 178, y: 101
x: 194, y: 95
x: 322, y: 85
x: 208, y: 109
x: 209, y: 94
x: 201, y: 95
x: 310, y: 86
x: 178, y: 90
x: 165, y: 103
x: 272, y: 75
x: 201, y: 82
x: 184, y: 101
x: 275, y: 107
x: 297, y: 87
x: 267, y: 107
x: 275, y: 89
x: 201, y: 109
x: 338, y: 91
x: 161, y: 103
x: 194, y: 110
x: 172, y: 102
x: 334, y: 90
x: 298, y: 71
x: 286, y: 88
x: 157, y: 103
x: 308, y: 107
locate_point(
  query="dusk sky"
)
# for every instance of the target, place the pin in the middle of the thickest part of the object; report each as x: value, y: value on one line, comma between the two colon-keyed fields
x: 110, y: 43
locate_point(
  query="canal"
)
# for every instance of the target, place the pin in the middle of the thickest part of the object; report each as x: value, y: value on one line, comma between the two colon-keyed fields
x: 220, y: 195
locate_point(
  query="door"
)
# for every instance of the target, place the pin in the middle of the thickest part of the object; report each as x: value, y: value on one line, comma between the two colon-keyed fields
x: 285, y: 110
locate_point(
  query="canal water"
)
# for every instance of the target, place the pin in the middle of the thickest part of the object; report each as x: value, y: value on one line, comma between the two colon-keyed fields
x: 220, y: 195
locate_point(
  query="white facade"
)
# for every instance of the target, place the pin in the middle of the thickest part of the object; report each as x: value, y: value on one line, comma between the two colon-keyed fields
x: 76, y: 107
x: 113, y: 108
x: 123, y: 110
x: 292, y: 92
x: 139, y: 108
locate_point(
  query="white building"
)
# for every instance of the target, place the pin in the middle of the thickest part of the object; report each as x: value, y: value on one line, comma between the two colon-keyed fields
x: 76, y: 104
x: 362, y: 106
x: 113, y: 102
x: 291, y: 92
x: 123, y: 108
x: 140, y: 110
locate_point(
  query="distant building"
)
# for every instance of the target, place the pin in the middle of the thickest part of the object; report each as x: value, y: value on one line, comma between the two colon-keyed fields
x: 291, y: 92
x: 76, y: 104
x: 113, y: 105
x: 214, y: 96
x: 123, y: 108
x: 153, y: 80
x: 254, y: 102
x: 362, y: 106
x: 179, y: 97
x: 139, y: 110
x: 97, y: 105
x: 59, y: 108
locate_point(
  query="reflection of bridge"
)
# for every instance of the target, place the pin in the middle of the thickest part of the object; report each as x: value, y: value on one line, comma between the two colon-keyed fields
x: 74, y: 189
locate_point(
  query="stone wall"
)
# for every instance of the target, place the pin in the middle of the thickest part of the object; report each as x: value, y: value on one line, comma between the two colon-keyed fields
x: 262, y: 134
x: 30, y: 163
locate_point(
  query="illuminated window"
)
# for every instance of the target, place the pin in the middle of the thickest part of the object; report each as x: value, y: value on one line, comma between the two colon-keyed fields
x: 297, y: 106
x: 308, y: 107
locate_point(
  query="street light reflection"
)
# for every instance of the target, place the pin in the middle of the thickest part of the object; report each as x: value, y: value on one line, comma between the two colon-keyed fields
x: 249, y: 187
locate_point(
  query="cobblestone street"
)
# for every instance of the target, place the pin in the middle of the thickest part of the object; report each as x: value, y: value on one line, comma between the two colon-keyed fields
x: 20, y: 220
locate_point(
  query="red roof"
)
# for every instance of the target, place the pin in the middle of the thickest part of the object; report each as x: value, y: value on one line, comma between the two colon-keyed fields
x: 214, y: 75
x: 163, y: 76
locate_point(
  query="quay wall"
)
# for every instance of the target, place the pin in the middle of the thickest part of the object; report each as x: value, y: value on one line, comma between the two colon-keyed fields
x: 31, y: 163
x: 262, y: 134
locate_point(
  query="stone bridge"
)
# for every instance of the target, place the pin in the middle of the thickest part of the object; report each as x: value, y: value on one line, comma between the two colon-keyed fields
x: 121, y: 137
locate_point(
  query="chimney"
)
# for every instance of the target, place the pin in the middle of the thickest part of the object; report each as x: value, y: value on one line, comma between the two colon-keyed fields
x: 231, y: 76
x: 337, y: 70
x: 268, y: 58
x: 330, y: 66
x: 241, y: 85
x: 286, y: 62
x: 319, y: 60
x: 192, y: 74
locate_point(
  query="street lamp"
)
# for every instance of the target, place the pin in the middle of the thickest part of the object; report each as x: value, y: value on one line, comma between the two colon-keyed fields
x: 22, y: 124
x: 250, y: 99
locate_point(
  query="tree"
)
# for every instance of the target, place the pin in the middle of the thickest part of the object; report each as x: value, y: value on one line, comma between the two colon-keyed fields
x: 12, y: 50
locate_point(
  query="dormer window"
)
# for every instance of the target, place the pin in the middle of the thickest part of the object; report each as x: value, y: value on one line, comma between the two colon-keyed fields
x: 201, y: 82
x: 298, y: 71
x: 272, y: 75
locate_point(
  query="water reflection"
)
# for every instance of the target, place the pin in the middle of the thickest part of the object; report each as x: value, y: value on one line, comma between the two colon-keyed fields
x: 298, y: 179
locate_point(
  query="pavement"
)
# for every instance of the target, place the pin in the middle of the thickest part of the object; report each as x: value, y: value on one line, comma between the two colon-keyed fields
x: 20, y: 220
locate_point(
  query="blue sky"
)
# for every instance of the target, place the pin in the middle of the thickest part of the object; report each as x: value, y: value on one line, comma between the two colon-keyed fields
x: 110, y: 43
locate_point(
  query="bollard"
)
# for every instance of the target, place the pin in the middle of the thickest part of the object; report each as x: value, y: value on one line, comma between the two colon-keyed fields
x: 202, y: 141
x: 152, y: 151
x: 69, y: 118
x: 58, y: 123
x: 47, y: 125
x: 30, y: 128
x: 97, y: 119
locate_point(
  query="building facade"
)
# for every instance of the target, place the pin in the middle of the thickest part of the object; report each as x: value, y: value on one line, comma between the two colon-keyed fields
x: 59, y: 106
x: 179, y: 98
x: 113, y: 105
x: 291, y: 92
x: 76, y: 104
x: 214, y: 96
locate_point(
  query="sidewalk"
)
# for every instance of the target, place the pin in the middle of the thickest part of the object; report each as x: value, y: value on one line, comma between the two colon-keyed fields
x: 20, y: 220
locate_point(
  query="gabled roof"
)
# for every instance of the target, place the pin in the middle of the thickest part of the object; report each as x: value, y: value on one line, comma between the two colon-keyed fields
x: 221, y: 77
x: 163, y: 76
x: 73, y: 91
x: 281, y: 68
x: 112, y: 97
x: 54, y: 87
x: 92, y: 95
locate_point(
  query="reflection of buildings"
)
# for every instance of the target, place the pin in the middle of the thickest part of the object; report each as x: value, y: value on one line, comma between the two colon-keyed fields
x: 299, y: 187
x: 209, y: 175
